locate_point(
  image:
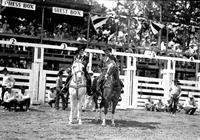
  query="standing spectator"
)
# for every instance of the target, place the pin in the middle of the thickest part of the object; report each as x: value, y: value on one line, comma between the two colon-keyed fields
x: 59, y: 93
x: 23, y: 99
x: 8, y: 80
x: 5, y: 26
x: 1, y: 27
x: 51, y: 96
x: 9, y: 99
x: 190, y: 105
x: 149, y: 105
x: 175, y: 93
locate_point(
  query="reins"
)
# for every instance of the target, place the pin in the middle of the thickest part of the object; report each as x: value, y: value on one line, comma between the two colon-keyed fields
x: 75, y: 80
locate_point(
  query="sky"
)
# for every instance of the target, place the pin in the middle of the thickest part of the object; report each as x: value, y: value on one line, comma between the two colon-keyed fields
x: 108, y: 3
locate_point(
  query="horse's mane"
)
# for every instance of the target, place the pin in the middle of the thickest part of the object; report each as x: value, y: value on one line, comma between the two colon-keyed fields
x: 77, y: 61
x: 114, y: 72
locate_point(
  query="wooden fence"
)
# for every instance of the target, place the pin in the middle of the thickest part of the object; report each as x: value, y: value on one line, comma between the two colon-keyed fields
x: 136, y: 89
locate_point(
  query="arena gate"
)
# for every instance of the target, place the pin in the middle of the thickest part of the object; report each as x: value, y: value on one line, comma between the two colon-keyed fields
x: 136, y: 89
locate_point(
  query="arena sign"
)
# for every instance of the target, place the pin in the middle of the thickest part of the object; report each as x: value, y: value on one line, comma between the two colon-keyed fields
x: 21, y: 5
x: 65, y: 11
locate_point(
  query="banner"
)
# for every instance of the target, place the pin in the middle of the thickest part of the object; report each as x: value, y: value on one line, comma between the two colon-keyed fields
x: 16, y: 4
x: 98, y: 21
x: 156, y: 27
x: 65, y: 11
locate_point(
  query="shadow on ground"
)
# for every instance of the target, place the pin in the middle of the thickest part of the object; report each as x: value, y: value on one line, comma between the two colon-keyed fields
x: 128, y: 123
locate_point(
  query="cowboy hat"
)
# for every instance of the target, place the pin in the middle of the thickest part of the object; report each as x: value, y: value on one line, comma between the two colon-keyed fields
x: 80, y: 48
x: 177, y: 81
x: 4, y: 70
x: 107, y: 49
x: 90, y: 72
x: 61, y: 72
x: 9, y: 86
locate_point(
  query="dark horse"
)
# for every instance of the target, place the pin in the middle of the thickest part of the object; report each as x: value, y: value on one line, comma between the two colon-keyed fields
x: 109, y: 92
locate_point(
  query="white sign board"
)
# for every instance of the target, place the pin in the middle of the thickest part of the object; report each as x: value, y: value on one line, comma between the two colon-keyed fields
x: 21, y: 5
x: 65, y: 11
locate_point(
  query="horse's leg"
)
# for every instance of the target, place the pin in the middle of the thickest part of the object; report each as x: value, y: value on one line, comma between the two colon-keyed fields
x: 95, y: 99
x: 67, y: 98
x: 114, y: 104
x: 84, y: 104
x: 106, y: 104
x: 79, y: 109
x: 72, y: 110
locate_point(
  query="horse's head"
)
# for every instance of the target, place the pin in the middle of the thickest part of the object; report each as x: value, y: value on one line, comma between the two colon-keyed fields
x: 77, y: 69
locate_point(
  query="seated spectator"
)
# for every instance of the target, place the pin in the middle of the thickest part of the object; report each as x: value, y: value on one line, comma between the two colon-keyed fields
x: 179, y: 52
x: 81, y: 38
x: 171, y: 44
x: 190, y: 105
x: 51, y: 92
x: 166, y: 103
x: 160, y: 106
x: 23, y: 99
x: 8, y: 81
x: 149, y: 105
x: 162, y: 46
x: 9, y: 99
x: 192, y: 51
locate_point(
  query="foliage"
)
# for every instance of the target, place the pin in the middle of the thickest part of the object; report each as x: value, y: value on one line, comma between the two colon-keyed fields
x: 184, y: 12
x: 97, y: 8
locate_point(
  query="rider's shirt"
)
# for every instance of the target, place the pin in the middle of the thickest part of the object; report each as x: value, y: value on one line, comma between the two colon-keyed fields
x: 8, y: 81
x: 106, y: 64
x: 112, y: 57
x: 59, y: 82
x: 175, y: 91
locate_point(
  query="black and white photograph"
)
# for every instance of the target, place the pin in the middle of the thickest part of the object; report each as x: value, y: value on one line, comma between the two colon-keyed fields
x: 99, y: 69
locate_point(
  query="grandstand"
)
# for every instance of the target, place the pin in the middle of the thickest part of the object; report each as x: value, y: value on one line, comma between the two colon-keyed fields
x: 44, y: 26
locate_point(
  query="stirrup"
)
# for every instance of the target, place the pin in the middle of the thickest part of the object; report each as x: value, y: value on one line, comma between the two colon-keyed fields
x: 120, y: 99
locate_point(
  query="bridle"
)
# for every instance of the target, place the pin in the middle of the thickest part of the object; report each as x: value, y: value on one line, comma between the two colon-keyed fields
x: 75, y: 78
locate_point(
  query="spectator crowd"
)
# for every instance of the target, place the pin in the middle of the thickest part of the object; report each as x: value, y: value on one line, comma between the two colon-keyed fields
x: 11, y: 98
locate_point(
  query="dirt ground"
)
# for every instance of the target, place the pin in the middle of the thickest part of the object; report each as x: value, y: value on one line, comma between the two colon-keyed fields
x: 44, y: 123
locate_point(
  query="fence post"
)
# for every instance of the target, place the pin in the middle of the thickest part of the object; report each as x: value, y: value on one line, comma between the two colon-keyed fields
x: 42, y: 87
x: 34, y: 83
x: 198, y: 85
x: 168, y: 77
x: 90, y: 62
x: 131, y: 83
x: 37, y: 69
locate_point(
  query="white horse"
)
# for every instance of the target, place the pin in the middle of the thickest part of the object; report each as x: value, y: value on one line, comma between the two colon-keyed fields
x: 77, y: 91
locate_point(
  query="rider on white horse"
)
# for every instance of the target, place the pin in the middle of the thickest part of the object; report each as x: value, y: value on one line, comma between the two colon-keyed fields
x: 82, y: 56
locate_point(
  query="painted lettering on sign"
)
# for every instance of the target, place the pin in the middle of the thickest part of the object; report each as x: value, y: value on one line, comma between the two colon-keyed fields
x: 65, y: 11
x: 21, y: 5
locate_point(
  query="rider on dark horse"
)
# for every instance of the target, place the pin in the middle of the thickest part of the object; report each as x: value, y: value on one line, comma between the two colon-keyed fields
x: 105, y: 64
x: 81, y: 55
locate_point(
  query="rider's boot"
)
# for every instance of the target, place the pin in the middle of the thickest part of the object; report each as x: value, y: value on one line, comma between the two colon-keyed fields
x: 120, y: 98
x: 89, y: 86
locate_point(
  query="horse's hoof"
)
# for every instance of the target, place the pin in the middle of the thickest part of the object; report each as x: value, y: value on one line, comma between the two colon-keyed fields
x: 103, y: 124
